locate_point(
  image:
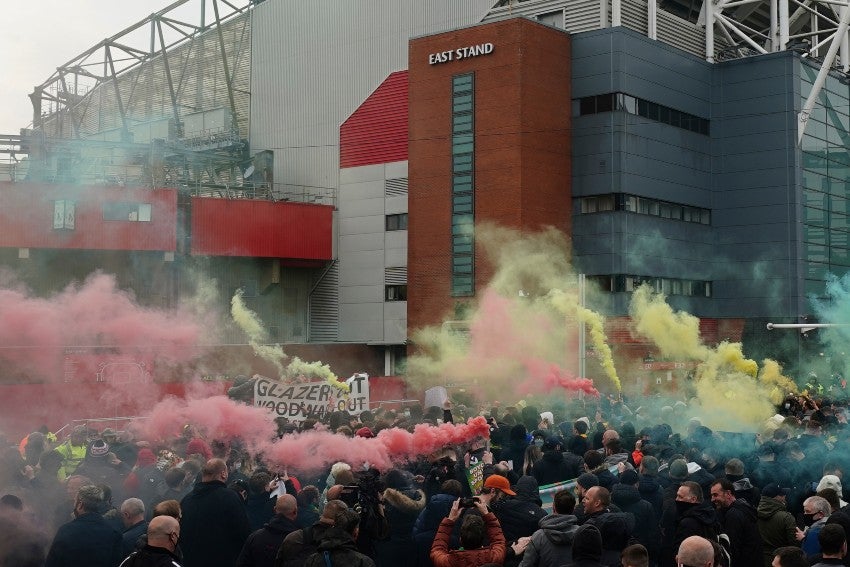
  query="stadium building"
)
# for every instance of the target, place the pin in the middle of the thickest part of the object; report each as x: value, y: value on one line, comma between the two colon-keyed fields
x: 332, y: 160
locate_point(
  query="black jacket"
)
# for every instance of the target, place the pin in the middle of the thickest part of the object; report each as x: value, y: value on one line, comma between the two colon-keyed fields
x: 401, y: 509
x: 341, y: 550
x: 87, y: 540
x: 151, y: 557
x: 518, y: 518
x: 261, y: 547
x: 651, y: 491
x: 740, y: 523
x: 260, y: 509
x: 214, y: 526
x: 646, y: 530
x: 553, y: 468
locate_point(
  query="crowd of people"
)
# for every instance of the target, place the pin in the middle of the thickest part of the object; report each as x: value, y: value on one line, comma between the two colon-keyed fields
x: 641, y: 487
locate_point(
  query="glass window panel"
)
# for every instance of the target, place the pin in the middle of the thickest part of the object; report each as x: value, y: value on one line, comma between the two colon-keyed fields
x: 631, y: 203
x: 628, y: 103
x: 838, y: 221
x: 144, y: 212
x: 462, y: 80
x: 812, y: 215
x: 815, y: 252
x: 462, y: 208
x: 815, y: 234
x: 587, y: 105
x: 815, y: 271
x: 458, y: 148
x: 812, y: 198
x: 839, y: 256
x: 462, y: 98
x: 605, y: 103
x: 643, y: 108
x: 813, y: 180
x: 464, y: 107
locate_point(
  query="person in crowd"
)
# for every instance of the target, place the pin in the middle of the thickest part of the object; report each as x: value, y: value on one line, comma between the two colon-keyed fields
x: 553, y: 467
x: 473, y: 532
x: 816, y: 511
x: 551, y: 545
x: 102, y: 467
x: 738, y: 519
x: 514, y: 453
x: 578, y: 443
x: 168, y: 508
x: 691, y: 516
x: 261, y: 547
x: 833, y: 545
x: 616, y: 527
x: 88, y: 539
x: 628, y: 499
x: 301, y: 544
x: 587, y: 547
x: 258, y: 505
x: 161, y: 547
x: 789, y: 557
x: 438, y: 507
x: 594, y: 463
x: 776, y: 525
x: 308, y: 509
x: 518, y: 517
x: 734, y: 472
x: 402, y: 504
x: 73, y: 450
x: 695, y: 551
x: 135, y: 526
x: 648, y: 485
x: 215, y: 525
x: 337, y: 546
x: 635, y: 555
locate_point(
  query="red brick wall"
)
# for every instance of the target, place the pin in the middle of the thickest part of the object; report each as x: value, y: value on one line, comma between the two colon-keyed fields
x: 522, y: 148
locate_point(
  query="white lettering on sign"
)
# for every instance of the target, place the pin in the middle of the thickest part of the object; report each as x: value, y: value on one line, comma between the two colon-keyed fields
x: 460, y: 53
x: 299, y: 401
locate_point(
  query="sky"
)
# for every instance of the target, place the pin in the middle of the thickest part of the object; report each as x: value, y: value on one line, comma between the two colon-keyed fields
x: 37, y: 36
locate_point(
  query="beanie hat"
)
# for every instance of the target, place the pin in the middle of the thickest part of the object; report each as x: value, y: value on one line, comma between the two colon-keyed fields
x: 587, y: 480
x: 97, y: 449
x: 199, y: 447
x: 364, y: 432
x: 629, y: 477
x: 679, y: 469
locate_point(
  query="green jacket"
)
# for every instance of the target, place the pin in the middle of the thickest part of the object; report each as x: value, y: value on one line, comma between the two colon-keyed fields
x: 776, y: 527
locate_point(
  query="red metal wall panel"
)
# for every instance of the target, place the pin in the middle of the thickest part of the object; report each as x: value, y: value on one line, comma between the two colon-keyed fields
x: 261, y: 229
x: 26, y: 218
x: 377, y: 131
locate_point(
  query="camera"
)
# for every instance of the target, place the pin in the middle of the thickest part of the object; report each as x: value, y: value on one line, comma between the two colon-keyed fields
x: 469, y: 502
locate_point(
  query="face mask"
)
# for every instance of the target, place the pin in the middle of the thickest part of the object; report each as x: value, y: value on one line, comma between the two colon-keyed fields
x: 809, y: 519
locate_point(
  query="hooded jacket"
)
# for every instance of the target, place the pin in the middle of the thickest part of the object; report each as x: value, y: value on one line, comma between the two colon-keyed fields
x: 341, y: 550
x: 494, y: 553
x: 401, y: 509
x: 696, y: 520
x: 776, y: 527
x: 629, y: 500
x: 300, y: 544
x: 739, y: 523
x: 261, y: 547
x: 552, y: 544
x: 652, y: 492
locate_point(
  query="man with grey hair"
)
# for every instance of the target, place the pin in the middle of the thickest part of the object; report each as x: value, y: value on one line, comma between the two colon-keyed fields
x: 695, y: 551
x: 88, y: 539
x: 135, y: 526
x: 816, y: 510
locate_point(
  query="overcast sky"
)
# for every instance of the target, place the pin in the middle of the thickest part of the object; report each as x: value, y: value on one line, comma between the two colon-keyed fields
x: 39, y: 35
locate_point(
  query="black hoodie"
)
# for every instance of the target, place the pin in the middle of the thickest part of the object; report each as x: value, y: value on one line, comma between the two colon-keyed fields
x: 262, y: 545
x: 629, y: 500
x: 553, y: 468
x: 740, y: 523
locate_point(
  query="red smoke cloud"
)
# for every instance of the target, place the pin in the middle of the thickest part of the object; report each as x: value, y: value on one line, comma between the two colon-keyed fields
x: 543, y: 377
x: 221, y: 418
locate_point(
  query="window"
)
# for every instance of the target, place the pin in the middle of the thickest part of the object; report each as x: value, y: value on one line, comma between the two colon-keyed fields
x: 669, y: 286
x: 397, y: 222
x: 463, y: 185
x: 642, y: 206
x: 135, y: 212
x: 396, y: 292
x: 627, y: 103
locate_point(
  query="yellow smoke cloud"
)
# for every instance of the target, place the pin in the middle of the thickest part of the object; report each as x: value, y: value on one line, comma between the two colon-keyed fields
x: 528, y: 311
x: 730, y: 393
x: 251, y: 325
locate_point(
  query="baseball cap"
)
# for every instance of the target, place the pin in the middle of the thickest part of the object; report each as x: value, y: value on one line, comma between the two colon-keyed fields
x: 499, y: 482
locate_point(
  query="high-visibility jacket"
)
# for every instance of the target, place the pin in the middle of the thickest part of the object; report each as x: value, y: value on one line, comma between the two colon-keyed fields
x: 72, y: 456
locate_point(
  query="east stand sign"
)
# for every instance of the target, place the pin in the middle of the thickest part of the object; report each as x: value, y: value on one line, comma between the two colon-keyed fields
x: 305, y: 400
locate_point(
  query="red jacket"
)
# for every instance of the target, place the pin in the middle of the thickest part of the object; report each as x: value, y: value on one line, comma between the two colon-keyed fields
x: 441, y: 556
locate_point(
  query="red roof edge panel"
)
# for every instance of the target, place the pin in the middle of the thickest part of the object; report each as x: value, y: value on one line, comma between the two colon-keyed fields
x: 377, y: 131
x: 262, y: 229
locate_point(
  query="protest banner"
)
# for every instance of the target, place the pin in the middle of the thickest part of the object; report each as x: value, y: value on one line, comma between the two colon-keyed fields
x: 475, y: 478
x: 298, y: 401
